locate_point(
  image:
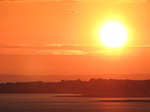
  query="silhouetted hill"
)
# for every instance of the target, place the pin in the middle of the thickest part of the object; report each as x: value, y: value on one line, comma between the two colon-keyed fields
x: 58, y: 77
x: 91, y: 88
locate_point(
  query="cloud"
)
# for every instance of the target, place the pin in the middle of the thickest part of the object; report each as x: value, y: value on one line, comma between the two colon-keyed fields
x: 46, y: 49
x: 70, y: 49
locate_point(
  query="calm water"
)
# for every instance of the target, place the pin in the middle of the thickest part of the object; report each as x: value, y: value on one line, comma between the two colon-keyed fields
x: 49, y: 103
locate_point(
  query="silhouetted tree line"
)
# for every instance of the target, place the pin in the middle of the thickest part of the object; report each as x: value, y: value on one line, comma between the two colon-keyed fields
x: 93, y: 87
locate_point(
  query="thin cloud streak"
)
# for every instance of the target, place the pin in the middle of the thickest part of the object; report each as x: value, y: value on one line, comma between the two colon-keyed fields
x: 60, y: 45
x: 47, y: 49
x: 68, y: 49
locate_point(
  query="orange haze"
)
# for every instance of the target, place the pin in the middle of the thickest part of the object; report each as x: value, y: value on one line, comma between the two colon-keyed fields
x: 59, y: 38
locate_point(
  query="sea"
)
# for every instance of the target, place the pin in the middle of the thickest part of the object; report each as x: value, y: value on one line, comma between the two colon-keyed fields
x: 70, y: 103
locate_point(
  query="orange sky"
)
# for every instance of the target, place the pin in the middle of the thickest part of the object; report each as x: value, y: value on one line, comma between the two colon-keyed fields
x: 69, y: 22
x: 51, y: 38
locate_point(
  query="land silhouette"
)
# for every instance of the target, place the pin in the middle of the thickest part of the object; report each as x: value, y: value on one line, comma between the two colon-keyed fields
x: 92, y: 88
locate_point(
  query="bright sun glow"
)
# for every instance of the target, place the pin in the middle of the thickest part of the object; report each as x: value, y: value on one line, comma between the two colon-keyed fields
x: 113, y: 34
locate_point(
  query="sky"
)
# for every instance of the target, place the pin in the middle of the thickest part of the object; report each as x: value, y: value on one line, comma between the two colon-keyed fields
x: 60, y: 37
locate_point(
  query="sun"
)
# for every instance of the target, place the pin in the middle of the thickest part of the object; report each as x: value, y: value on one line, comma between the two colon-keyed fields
x: 113, y: 34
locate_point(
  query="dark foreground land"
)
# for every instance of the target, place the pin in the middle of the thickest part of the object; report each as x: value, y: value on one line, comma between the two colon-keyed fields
x: 91, y: 88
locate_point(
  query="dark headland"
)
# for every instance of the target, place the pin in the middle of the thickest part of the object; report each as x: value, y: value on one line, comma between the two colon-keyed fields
x: 92, y: 88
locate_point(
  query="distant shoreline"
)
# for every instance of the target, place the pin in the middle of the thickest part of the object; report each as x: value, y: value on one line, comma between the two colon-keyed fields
x: 82, y: 95
x: 98, y: 96
x: 92, y: 96
x: 92, y: 88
